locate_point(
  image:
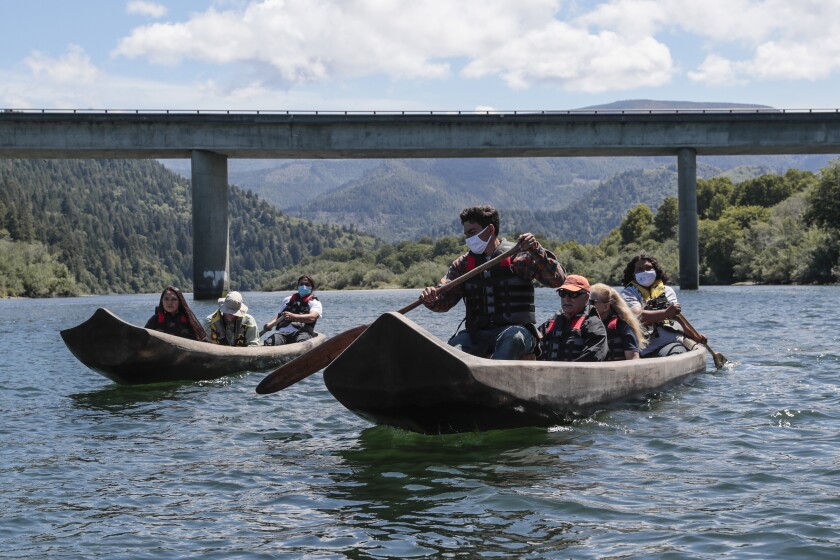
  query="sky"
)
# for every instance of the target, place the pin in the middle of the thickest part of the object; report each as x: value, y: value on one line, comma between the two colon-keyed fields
x: 415, y: 55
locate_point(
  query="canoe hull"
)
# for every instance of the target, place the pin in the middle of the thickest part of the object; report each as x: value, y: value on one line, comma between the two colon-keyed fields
x: 400, y: 375
x: 131, y: 355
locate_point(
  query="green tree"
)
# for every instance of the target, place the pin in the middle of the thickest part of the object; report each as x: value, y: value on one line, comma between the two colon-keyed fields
x: 717, y: 189
x: 637, y: 224
x: 746, y: 215
x: 824, y: 201
x: 717, y: 244
x: 769, y: 190
x: 667, y: 219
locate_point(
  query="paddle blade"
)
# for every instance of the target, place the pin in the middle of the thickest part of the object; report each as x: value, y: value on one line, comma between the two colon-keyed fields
x: 306, y: 364
x: 719, y: 359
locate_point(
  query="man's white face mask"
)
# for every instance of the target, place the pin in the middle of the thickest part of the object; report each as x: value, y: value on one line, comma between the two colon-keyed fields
x: 476, y: 244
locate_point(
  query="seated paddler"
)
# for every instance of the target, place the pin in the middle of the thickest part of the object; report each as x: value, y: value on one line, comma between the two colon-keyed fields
x: 500, y: 313
x: 174, y: 316
x: 230, y: 324
x: 656, y: 305
x: 575, y: 333
x: 297, y: 317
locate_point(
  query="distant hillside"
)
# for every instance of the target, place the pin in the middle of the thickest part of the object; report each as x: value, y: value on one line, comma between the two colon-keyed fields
x: 407, y: 199
x: 125, y: 226
x: 410, y: 198
x: 664, y: 105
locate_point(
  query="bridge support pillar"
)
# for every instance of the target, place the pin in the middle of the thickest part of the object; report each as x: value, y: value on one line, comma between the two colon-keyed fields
x: 688, y: 236
x: 211, y: 225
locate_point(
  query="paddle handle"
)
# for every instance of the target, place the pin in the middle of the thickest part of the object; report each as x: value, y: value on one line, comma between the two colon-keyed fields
x: 690, y: 330
x: 466, y: 276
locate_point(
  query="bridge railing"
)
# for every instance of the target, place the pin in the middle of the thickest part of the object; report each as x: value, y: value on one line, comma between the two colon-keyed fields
x: 710, y: 110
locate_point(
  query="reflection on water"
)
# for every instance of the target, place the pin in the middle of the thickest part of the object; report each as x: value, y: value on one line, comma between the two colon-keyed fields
x: 119, y: 399
x: 738, y: 463
x: 464, y: 489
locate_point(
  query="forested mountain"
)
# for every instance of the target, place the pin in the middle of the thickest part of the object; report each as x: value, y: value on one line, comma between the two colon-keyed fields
x: 590, y: 219
x: 774, y: 228
x: 287, y: 183
x: 407, y: 199
x: 410, y: 198
x: 563, y: 198
x: 125, y: 226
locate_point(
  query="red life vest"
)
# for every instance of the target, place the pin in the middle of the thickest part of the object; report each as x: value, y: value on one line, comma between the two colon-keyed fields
x: 556, y: 345
x: 614, y: 341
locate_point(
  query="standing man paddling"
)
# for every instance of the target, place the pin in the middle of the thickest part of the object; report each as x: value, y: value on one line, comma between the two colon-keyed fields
x: 500, y: 313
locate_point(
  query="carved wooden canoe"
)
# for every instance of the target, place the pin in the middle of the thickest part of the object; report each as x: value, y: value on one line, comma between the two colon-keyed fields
x: 398, y: 374
x: 132, y: 355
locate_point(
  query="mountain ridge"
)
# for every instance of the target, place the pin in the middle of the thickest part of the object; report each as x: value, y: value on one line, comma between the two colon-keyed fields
x: 411, y: 198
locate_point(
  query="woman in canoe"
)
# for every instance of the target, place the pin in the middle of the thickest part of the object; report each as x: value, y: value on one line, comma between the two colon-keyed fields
x: 656, y: 306
x: 624, y: 333
x: 174, y: 316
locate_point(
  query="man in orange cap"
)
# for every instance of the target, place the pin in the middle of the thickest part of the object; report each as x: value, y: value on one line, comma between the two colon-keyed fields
x: 575, y: 334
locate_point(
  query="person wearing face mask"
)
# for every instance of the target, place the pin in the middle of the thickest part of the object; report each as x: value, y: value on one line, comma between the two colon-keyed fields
x: 575, y: 333
x: 297, y: 318
x: 655, y: 304
x: 500, y: 313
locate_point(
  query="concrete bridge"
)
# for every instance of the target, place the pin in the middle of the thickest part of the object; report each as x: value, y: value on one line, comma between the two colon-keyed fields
x: 210, y: 138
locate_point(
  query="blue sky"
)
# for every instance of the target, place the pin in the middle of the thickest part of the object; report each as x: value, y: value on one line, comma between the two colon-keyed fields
x: 441, y: 55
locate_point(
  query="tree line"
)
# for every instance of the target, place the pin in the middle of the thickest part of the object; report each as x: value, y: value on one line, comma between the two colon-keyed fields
x: 69, y: 227
x: 773, y: 229
x: 120, y: 226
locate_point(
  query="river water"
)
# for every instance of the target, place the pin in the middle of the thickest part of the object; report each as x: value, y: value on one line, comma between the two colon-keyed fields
x: 739, y: 463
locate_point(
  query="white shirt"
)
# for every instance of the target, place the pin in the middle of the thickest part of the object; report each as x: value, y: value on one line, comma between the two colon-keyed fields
x: 635, y: 300
x: 314, y: 307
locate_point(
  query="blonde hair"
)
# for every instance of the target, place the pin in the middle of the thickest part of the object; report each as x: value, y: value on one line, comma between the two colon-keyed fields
x: 620, y: 308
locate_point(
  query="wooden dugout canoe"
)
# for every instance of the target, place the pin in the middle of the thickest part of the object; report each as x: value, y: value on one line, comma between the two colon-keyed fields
x: 132, y: 355
x: 398, y: 374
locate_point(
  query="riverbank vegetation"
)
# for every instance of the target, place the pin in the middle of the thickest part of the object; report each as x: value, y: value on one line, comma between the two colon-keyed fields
x: 74, y: 227
x: 777, y: 229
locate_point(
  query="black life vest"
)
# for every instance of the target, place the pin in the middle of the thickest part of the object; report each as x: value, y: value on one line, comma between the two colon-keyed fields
x: 176, y: 324
x: 497, y: 296
x: 298, y: 306
x: 614, y: 340
x: 563, y: 341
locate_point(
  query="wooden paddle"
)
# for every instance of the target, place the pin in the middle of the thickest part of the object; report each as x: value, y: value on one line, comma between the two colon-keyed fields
x: 719, y: 359
x: 321, y: 356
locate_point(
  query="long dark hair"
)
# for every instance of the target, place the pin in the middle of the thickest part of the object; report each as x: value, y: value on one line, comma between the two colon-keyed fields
x: 630, y: 269
x: 195, y: 325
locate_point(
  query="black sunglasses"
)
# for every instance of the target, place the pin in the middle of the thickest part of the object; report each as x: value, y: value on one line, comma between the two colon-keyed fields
x: 570, y: 294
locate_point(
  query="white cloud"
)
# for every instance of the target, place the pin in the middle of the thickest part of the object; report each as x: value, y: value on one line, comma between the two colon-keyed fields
x: 716, y: 71
x: 744, y: 40
x: 259, y: 45
x: 323, y: 39
x: 577, y: 60
x: 144, y: 8
x: 74, y: 67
